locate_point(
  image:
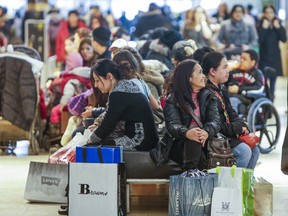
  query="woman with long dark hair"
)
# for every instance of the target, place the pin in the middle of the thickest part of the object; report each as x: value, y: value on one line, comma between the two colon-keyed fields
x: 185, y: 96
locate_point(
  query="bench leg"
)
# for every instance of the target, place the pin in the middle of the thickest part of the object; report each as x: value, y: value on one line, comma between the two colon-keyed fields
x: 128, y: 198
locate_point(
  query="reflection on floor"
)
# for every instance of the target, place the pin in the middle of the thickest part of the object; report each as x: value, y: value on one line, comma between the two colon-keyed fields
x: 148, y: 200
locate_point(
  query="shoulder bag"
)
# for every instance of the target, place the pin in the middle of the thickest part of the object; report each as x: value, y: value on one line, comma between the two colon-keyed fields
x: 219, y: 152
x: 160, y: 154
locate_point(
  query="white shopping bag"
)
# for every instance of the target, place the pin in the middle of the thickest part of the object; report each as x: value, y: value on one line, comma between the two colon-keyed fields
x: 226, y: 201
x: 46, y: 183
x: 235, y: 188
x: 97, y: 189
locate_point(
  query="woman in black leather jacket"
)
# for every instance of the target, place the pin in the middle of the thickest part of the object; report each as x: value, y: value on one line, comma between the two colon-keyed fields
x: 184, y: 91
x: 215, y: 66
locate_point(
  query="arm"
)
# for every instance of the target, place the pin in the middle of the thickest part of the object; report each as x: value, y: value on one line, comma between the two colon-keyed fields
x: 117, y: 106
x: 258, y: 85
x: 211, y: 117
x: 173, y: 120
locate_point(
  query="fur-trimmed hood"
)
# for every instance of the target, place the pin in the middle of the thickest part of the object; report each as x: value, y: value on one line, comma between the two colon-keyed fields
x: 157, y: 47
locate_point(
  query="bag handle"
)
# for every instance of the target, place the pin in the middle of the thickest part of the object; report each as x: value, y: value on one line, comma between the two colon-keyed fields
x: 194, y: 116
x: 99, y: 152
x: 233, y: 170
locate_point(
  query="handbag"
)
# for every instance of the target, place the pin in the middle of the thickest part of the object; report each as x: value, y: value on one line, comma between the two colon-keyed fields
x: 219, y: 152
x: 250, y: 139
x: 160, y: 154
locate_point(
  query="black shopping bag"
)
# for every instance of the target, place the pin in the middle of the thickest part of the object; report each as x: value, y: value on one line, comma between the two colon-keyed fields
x: 191, y: 195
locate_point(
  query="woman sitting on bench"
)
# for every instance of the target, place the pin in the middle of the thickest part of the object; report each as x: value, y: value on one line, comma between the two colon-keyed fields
x: 183, y: 92
x: 126, y: 103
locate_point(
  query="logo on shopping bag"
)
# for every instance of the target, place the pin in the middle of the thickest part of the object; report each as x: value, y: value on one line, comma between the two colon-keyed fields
x: 225, y: 206
x: 85, y: 189
x: 50, y: 180
x: 202, y: 201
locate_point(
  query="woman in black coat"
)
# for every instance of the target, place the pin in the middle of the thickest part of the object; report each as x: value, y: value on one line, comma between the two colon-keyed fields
x: 270, y: 32
x: 185, y: 91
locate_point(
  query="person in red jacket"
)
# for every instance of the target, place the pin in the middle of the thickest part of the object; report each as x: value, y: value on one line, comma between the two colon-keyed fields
x: 67, y: 28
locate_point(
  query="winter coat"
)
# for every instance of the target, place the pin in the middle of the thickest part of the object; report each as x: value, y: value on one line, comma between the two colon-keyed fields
x: 233, y: 129
x: 269, y: 50
x: 18, y: 92
x: 178, y: 121
x: 151, y: 20
x: 126, y: 103
x: 250, y: 81
x: 237, y: 33
x: 160, y: 52
x: 63, y: 34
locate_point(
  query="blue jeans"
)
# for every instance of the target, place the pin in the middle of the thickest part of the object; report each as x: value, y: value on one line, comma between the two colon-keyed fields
x: 235, y: 103
x: 245, y: 156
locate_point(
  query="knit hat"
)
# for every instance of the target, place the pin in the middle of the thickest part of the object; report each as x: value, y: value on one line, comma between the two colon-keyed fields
x: 102, y: 36
x: 170, y: 37
x: 184, y: 49
x: 73, y: 60
x: 119, y: 43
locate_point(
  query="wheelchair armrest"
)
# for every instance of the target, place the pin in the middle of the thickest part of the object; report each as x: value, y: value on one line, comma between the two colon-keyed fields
x: 255, y: 95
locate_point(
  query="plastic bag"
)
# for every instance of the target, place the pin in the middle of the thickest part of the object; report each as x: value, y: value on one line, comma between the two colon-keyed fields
x: 263, y: 197
x: 67, y: 153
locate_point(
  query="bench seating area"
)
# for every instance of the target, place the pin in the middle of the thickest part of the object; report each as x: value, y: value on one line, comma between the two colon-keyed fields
x: 140, y: 169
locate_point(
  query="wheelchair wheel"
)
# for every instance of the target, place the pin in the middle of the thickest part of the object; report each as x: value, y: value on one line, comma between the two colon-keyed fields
x: 264, y: 120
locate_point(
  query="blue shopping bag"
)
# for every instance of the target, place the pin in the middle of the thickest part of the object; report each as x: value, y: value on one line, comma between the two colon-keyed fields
x: 191, y: 195
x: 99, y: 154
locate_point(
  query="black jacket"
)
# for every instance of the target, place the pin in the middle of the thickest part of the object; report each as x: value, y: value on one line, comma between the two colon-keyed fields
x: 234, y: 129
x: 269, y: 50
x: 178, y: 121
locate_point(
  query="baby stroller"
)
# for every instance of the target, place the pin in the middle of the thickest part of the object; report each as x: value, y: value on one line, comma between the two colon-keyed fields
x: 19, y: 97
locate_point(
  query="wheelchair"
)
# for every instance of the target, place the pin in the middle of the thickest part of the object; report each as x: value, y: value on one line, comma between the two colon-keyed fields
x: 262, y: 118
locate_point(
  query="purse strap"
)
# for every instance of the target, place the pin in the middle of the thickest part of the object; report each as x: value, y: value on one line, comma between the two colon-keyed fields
x: 223, y: 106
x: 194, y: 116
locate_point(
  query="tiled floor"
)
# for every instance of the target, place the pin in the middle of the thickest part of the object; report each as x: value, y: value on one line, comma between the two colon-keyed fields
x: 149, y: 200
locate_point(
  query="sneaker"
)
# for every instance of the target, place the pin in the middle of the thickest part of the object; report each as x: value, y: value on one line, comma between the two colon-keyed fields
x: 63, y: 210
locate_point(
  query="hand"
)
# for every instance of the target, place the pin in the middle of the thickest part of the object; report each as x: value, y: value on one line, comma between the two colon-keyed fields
x: 233, y: 89
x: 194, y: 134
x: 245, y: 47
x: 265, y: 24
x: 203, y: 137
x: 92, y: 127
x: 276, y: 23
x: 232, y: 46
x: 245, y: 131
x: 87, y: 113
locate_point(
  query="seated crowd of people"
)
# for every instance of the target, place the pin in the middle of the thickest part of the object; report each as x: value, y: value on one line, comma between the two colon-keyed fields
x: 127, y: 92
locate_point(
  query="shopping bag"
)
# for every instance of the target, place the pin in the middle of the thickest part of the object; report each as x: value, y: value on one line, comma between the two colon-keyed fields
x: 67, y: 153
x: 236, y: 179
x: 226, y: 201
x: 97, y: 189
x: 46, y: 183
x: 191, y: 195
x: 263, y: 197
x: 99, y: 154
